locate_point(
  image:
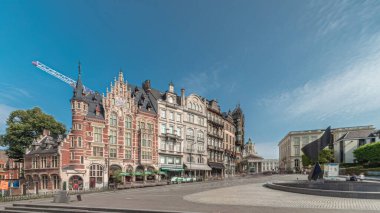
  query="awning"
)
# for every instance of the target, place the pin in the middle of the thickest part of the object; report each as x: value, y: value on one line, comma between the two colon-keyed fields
x: 138, y: 173
x: 172, y: 169
x: 197, y: 167
x: 148, y: 173
x: 216, y: 165
x: 125, y: 174
x: 162, y: 173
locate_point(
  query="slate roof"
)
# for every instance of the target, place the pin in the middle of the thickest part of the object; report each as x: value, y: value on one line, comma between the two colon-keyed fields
x: 146, y: 98
x: 374, y: 134
x: 359, y: 134
x: 47, y: 145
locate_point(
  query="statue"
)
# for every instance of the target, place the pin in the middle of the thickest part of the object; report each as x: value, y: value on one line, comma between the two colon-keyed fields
x: 312, y: 150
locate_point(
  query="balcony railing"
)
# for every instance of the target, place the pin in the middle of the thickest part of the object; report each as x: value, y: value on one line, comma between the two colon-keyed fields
x: 190, y: 137
x: 200, y: 139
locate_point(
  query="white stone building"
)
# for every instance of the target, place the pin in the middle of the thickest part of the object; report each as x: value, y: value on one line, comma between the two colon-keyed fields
x: 270, y: 165
x: 290, y: 154
x: 171, y: 132
x: 345, y: 146
x: 195, y: 146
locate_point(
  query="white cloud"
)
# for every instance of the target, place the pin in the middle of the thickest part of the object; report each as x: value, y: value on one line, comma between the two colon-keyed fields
x: 352, y: 88
x: 4, y: 113
x: 329, y: 17
x: 203, y: 82
x: 12, y: 93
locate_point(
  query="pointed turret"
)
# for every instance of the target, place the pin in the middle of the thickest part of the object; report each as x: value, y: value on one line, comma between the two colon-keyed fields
x: 79, y: 88
x: 121, y: 77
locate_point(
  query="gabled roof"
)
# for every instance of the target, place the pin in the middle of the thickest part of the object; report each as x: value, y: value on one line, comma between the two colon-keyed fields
x: 46, y: 145
x: 145, y: 99
x: 359, y: 134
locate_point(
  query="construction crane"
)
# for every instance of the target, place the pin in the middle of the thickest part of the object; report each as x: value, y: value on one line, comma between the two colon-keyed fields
x: 60, y: 76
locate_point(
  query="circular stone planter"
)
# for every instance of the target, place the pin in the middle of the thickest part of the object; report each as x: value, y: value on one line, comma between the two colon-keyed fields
x: 363, y: 190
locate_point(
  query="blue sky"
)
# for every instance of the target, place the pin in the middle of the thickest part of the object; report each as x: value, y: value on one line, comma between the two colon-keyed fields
x: 292, y: 65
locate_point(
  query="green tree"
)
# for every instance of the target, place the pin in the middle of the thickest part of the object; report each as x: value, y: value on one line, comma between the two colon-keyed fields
x: 326, y: 156
x: 24, y: 126
x: 368, y: 153
x: 117, y: 175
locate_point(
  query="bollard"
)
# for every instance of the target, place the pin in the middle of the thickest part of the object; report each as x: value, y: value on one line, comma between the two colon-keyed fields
x: 79, y: 197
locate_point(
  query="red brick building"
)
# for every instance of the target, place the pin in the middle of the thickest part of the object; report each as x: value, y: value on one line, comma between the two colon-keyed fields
x: 112, y: 132
x: 42, y: 165
x: 10, y: 171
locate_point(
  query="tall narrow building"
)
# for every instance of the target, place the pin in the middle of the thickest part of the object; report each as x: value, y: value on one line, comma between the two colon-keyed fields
x: 215, y: 133
x: 238, y: 117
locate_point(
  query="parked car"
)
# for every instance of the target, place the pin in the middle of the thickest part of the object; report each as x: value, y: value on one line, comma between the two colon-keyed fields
x: 182, y: 179
x: 353, y: 178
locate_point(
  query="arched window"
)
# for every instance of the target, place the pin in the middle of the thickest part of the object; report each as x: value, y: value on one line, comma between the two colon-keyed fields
x: 170, y: 100
x: 190, y: 132
x: 200, y: 108
x: 128, y: 139
x: 113, y: 119
x: 200, y: 134
x: 96, y: 174
x: 128, y: 122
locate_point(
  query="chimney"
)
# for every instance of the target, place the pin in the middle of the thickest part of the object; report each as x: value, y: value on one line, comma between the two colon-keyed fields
x: 45, y: 132
x: 183, y: 97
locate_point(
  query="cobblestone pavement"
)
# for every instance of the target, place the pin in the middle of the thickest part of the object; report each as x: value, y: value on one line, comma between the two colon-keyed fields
x: 233, y: 195
x: 257, y: 195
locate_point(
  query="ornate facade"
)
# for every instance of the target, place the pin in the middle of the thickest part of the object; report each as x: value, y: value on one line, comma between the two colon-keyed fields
x: 171, y: 133
x: 140, y: 134
x: 238, y: 117
x: 42, y: 165
x: 112, y: 133
x: 195, y: 150
x: 215, y: 133
x: 229, y: 144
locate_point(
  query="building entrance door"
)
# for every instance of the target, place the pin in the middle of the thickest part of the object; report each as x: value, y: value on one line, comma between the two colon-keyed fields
x: 92, y: 182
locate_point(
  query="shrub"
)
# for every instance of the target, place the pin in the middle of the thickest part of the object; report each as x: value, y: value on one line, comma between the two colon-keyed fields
x: 368, y: 153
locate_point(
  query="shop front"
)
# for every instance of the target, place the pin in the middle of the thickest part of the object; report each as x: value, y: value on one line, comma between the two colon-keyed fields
x: 199, y: 171
x: 169, y: 172
x: 217, y: 170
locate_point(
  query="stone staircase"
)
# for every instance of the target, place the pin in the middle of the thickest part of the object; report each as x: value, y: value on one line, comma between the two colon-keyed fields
x: 24, y: 208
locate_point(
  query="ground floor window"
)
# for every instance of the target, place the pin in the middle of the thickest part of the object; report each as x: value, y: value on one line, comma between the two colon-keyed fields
x: 44, y: 184
x: 96, y: 174
x: 55, y: 182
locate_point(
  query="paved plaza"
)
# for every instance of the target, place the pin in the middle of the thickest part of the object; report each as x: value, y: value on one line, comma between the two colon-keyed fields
x: 232, y: 195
